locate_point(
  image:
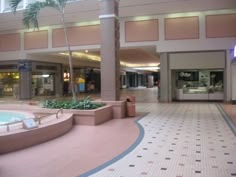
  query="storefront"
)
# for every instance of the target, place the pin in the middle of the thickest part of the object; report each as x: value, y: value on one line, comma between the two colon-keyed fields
x: 27, y: 79
x: 43, y: 85
x: 194, y: 76
x: 199, y: 85
x: 46, y: 79
x: 9, y: 79
x: 9, y: 84
x: 198, y: 76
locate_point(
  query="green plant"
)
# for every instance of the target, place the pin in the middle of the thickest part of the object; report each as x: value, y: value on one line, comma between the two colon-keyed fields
x: 84, y: 104
x: 30, y: 19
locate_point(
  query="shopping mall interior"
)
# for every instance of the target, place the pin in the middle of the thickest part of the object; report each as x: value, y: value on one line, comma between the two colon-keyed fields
x: 174, y: 59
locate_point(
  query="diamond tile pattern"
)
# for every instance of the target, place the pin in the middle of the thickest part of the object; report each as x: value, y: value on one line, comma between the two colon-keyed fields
x: 180, y: 140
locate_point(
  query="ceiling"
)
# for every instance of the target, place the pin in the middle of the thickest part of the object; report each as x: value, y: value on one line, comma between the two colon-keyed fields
x: 129, y: 57
x: 88, y: 10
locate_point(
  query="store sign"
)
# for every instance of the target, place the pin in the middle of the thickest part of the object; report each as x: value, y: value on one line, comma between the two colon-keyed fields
x: 235, y: 51
x: 24, y: 66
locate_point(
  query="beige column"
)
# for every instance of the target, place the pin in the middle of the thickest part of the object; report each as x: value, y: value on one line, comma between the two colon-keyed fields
x: 110, y: 63
x: 59, y: 81
x: 164, y: 78
x: 228, y: 79
x: 25, y: 92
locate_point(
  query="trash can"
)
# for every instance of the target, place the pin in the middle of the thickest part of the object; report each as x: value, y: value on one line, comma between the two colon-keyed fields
x: 131, y: 99
x: 130, y: 106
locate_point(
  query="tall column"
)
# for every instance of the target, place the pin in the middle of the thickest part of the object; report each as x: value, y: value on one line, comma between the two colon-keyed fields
x: 228, y: 77
x: 25, y: 90
x: 110, y: 63
x: 59, y: 82
x: 164, y: 77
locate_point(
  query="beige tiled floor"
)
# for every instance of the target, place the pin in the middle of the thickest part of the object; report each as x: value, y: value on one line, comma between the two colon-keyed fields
x: 179, y: 140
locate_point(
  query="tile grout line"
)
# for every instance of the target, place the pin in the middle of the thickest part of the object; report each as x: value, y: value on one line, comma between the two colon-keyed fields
x: 115, y: 159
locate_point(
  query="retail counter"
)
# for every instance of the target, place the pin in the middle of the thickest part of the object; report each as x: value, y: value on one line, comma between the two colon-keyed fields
x: 200, y: 93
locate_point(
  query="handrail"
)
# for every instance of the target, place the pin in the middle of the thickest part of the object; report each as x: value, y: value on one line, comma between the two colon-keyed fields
x: 35, y: 118
x: 60, y: 110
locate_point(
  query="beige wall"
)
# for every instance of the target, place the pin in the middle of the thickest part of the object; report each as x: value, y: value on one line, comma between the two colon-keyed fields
x: 9, y: 42
x: 170, y: 33
x: 139, y: 31
x: 83, y: 35
x: 181, y: 28
x: 36, y: 40
x: 203, y: 60
x: 221, y: 25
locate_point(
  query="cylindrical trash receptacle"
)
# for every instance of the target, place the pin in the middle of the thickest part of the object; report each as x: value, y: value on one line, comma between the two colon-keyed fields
x: 130, y: 106
x: 131, y: 99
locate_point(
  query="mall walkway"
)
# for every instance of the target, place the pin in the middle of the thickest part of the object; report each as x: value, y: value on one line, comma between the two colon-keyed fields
x: 169, y: 140
x: 178, y: 140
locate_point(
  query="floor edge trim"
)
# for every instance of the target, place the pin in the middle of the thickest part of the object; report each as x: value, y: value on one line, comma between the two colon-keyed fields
x: 127, y: 151
x: 227, y: 119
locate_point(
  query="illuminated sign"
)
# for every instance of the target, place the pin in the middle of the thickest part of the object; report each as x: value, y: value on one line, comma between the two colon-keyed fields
x: 235, y: 51
x: 24, y: 66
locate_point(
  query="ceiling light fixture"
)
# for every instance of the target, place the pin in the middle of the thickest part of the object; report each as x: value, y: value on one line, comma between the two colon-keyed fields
x: 98, y: 58
x: 149, y: 68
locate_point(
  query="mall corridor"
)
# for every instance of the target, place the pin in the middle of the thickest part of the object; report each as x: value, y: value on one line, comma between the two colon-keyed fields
x: 178, y: 140
x: 183, y: 139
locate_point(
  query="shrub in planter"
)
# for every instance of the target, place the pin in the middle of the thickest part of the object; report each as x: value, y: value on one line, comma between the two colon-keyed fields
x: 84, y: 104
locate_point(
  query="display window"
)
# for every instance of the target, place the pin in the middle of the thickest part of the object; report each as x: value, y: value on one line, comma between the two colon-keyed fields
x: 200, y: 85
x: 207, y: 80
x: 43, y: 84
x: 9, y: 84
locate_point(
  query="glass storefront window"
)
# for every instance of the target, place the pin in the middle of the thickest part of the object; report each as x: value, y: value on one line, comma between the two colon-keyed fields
x: 9, y: 84
x: 200, y: 81
x: 43, y: 85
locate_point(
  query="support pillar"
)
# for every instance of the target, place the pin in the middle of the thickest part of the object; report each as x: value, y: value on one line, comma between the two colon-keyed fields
x: 25, y: 85
x: 110, y: 63
x: 59, y: 82
x: 164, y: 77
x: 25, y: 81
x: 228, y: 77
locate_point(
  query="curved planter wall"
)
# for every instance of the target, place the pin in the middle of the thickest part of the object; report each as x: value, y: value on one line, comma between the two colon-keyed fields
x: 26, y: 138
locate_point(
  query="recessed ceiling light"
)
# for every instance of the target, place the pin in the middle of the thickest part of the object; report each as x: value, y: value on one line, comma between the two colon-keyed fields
x: 45, y: 75
x: 86, y: 51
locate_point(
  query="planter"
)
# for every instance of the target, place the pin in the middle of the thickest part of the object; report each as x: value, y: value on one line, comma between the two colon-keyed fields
x: 20, y: 139
x: 92, y: 117
x: 118, y: 108
x: 83, y: 117
x: 80, y: 117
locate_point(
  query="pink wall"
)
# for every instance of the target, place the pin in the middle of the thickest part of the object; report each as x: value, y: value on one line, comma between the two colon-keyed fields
x: 9, y: 42
x: 83, y: 35
x: 181, y: 28
x: 221, y: 25
x: 139, y: 31
x: 36, y: 40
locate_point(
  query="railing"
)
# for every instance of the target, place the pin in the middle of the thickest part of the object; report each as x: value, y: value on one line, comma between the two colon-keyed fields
x: 37, y: 119
x: 60, y: 110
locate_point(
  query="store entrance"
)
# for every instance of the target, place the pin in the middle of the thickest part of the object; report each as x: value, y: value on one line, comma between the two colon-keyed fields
x: 198, y: 85
x: 9, y: 84
x: 43, y: 84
